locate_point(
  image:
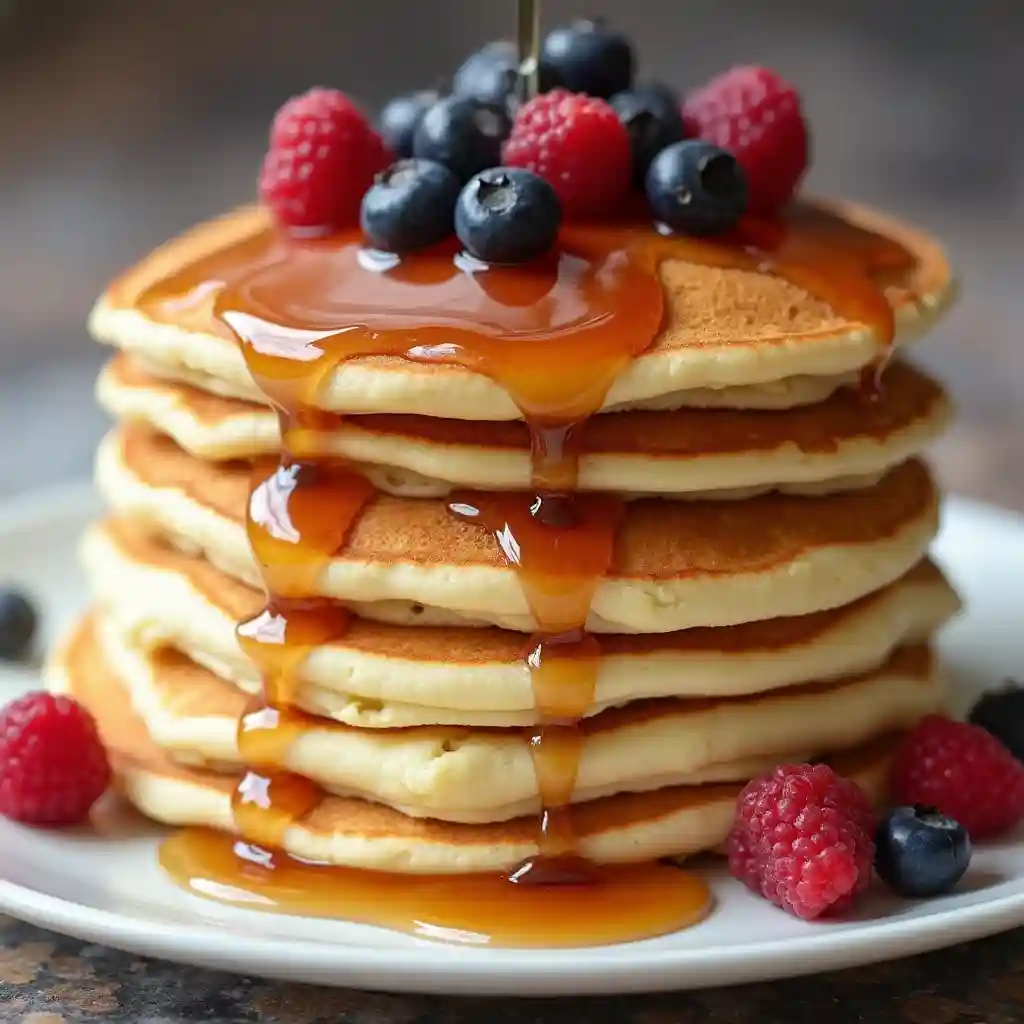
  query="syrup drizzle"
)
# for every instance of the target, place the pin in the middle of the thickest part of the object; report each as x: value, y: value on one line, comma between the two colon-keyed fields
x: 634, y: 901
x: 555, y: 335
x: 299, y: 514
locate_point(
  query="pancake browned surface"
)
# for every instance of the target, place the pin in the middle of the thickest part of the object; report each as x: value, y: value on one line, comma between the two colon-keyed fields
x: 723, y: 328
x: 672, y: 821
x: 681, y: 451
x: 675, y: 564
x: 487, y: 774
x: 382, y: 676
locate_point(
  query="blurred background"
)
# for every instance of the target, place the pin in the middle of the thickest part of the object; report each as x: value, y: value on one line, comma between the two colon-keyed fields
x: 123, y: 121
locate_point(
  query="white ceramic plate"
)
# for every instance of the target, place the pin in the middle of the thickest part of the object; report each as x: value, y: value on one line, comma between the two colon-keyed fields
x: 110, y: 890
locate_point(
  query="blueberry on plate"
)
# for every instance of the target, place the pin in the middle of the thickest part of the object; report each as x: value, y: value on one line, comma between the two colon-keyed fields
x: 399, y: 118
x: 489, y: 75
x: 696, y: 188
x: 586, y: 56
x: 463, y: 133
x: 920, y: 852
x: 507, y: 215
x: 1001, y: 712
x: 409, y: 206
x: 653, y: 122
x: 19, y: 621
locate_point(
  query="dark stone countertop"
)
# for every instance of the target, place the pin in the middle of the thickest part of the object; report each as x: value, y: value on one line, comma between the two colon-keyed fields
x: 48, y: 979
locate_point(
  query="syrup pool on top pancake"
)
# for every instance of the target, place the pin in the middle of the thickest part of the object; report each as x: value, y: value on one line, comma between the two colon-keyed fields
x: 709, y: 320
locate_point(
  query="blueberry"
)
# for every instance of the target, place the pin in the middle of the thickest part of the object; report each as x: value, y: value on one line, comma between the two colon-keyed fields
x: 696, y: 188
x: 18, y: 623
x: 489, y: 75
x: 409, y: 206
x: 586, y: 56
x: 1001, y: 712
x: 659, y: 93
x: 507, y: 215
x: 399, y: 118
x: 653, y: 122
x: 920, y: 852
x: 462, y: 133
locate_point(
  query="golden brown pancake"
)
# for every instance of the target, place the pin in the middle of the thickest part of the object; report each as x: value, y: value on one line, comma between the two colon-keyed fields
x: 675, y: 564
x: 379, y: 675
x: 723, y: 329
x: 479, y: 775
x: 824, y: 447
x: 673, y: 821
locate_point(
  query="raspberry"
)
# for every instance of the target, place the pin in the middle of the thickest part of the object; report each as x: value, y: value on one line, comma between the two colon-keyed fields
x: 756, y: 116
x: 963, y: 771
x: 802, y: 838
x: 53, y: 767
x: 323, y: 156
x: 578, y: 144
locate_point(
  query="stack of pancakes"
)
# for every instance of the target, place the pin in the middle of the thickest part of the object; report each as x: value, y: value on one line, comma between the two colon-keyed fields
x: 768, y: 598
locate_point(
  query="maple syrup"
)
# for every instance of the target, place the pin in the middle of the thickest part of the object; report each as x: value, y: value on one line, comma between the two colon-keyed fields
x: 620, y: 904
x: 555, y: 335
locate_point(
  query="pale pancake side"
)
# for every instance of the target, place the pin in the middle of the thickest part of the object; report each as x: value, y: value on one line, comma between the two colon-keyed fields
x: 843, y: 442
x: 675, y: 564
x: 382, y: 676
x: 724, y: 328
x: 481, y: 775
x: 671, y: 822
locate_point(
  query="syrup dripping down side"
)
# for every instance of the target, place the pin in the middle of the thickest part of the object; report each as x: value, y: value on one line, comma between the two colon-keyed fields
x: 299, y: 514
x: 561, y: 546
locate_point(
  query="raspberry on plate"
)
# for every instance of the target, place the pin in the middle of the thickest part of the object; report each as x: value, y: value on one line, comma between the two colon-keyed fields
x: 53, y: 767
x: 803, y: 839
x: 964, y: 772
x: 756, y: 116
x: 323, y: 156
x: 578, y: 144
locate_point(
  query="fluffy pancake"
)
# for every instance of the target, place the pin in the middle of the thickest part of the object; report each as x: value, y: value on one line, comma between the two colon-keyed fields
x: 674, y: 821
x: 842, y: 442
x: 488, y: 774
x: 383, y: 676
x: 675, y: 564
x: 723, y: 329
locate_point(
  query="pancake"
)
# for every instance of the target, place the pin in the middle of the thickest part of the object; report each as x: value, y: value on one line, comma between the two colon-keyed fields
x: 842, y: 443
x: 635, y: 827
x: 384, y: 676
x: 480, y: 775
x: 675, y: 565
x: 723, y: 328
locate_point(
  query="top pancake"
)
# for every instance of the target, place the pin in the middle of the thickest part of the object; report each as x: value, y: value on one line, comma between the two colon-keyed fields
x: 729, y: 336
x: 843, y: 442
